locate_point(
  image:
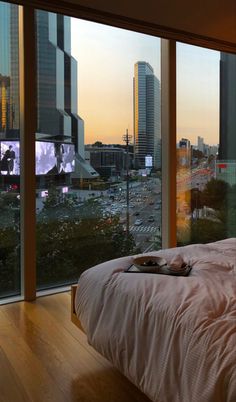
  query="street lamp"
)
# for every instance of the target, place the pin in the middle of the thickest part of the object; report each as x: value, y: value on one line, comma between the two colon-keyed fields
x: 127, y: 139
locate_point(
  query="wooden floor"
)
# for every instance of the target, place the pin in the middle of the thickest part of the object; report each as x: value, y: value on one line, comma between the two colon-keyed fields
x: 44, y: 357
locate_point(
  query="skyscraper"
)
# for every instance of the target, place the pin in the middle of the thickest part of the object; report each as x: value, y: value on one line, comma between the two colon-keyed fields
x: 147, y: 132
x: 9, y: 71
x: 57, y: 79
x: 227, y: 148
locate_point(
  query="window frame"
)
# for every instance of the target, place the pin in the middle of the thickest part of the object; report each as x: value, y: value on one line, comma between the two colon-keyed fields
x: 27, y: 65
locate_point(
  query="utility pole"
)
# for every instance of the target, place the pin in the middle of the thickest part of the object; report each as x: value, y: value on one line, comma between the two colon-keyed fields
x: 127, y: 139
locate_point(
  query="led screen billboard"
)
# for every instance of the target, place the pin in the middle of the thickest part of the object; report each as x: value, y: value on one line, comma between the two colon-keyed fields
x: 10, y: 157
x: 50, y: 158
x: 148, y: 161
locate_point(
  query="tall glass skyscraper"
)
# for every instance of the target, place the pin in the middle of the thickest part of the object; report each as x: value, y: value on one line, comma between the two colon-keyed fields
x: 56, y: 77
x: 227, y: 149
x: 57, y: 80
x: 9, y: 71
x: 147, y: 132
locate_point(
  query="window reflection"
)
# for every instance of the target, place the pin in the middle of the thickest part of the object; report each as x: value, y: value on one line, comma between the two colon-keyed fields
x: 206, y: 175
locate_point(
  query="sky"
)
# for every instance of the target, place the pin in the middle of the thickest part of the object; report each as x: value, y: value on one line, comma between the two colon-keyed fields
x: 106, y: 58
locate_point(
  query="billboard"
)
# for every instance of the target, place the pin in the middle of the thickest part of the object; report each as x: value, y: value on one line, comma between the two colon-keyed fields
x: 50, y: 158
x: 148, y: 161
x: 10, y: 157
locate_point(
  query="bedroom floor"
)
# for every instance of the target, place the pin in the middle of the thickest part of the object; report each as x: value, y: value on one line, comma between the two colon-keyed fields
x: 44, y: 357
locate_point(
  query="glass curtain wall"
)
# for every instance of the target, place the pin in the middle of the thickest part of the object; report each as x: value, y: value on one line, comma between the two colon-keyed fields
x: 10, y: 274
x: 206, y: 145
x: 98, y: 146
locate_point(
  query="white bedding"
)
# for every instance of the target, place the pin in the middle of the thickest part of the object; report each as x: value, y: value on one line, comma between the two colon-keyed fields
x: 174, y: 337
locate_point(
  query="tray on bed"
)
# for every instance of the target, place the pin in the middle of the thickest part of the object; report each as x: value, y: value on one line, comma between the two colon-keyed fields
x: 164, y: 270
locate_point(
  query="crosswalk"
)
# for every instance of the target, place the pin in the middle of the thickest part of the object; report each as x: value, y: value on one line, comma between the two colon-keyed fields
x: 144, y: 229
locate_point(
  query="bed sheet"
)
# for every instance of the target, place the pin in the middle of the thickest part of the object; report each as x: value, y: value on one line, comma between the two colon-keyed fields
x: 173, y: 337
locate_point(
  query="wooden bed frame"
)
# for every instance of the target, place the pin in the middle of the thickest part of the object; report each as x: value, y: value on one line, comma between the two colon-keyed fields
x: 74, y: 317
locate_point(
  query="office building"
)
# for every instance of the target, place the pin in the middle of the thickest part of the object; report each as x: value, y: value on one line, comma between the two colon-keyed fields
x: 108, y: 161
x: 184, y: 153
x: 200, y: 144
x: 147, y: 132
x: 57, y: 80
x: 9, y: 71
x: 227, y: 148
x: 59, y: 128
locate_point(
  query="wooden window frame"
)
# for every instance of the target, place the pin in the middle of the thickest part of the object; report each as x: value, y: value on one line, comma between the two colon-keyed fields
x: 28, y: 124
x: 28, y: 118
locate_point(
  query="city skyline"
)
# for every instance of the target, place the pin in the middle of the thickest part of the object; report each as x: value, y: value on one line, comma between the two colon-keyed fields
x: 107, y: 55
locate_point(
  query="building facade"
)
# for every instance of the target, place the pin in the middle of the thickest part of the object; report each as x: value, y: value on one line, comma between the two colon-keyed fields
x: 184, y: 153
x: 57, y: 80
x: 147, y: 128
x: 60, y: 131
x: 108, y: 161
x: 227, y: 147
x: 9, y: 72
x: 226, y: 171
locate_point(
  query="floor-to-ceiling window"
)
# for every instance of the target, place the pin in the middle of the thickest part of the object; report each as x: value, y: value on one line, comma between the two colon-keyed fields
x: 98, y: 146
x: 10, y: 275
x: 206, y: 145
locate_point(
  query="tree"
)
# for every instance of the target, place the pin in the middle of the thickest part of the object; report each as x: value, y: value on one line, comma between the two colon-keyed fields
x: 73, y: 237
x: 197, y: 154
x: 202, y: 231
x: 98, y: 144
x: 215, y: 194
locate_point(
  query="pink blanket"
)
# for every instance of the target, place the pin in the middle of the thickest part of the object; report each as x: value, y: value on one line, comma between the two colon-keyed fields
x: 174, y: 337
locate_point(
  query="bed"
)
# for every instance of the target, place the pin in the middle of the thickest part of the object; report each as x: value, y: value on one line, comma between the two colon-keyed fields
x: 173, y: 337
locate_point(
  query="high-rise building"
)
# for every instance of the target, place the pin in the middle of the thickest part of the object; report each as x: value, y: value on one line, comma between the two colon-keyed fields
x: 184, y: 153
x: 147, y: 131
x: 200, y: 144
x: 59, y: 128
x: 227, y: 148
x: 57, y: 79
x: 9, y: 71
x: 4, y: 103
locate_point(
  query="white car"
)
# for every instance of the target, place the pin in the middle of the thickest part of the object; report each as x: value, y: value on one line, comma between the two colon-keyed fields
x: 138, y: 222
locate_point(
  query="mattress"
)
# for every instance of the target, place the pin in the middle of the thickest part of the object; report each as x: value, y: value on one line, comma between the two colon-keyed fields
x: 174, y: 337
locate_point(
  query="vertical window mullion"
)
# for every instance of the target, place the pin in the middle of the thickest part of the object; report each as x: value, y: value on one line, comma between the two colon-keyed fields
x: 168, y: 122
x: 28, y: 74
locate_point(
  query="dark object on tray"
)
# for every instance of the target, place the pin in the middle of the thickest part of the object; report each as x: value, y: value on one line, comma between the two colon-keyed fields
x: 157, y: 265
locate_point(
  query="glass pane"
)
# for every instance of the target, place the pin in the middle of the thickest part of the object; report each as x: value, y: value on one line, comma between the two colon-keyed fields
x: 98, y: 146
x: 206, y: 148
x: 10, y: 278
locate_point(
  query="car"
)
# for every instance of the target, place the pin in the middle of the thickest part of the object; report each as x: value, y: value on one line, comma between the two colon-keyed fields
x: 151, y: 218
x: 136, y: 213
x: 138, y: 222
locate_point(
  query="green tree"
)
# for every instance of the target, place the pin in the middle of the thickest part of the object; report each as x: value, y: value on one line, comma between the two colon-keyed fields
x: 98, y: 144
x: 215, y: 194
x: 76, y: 239
x: 202, y: 231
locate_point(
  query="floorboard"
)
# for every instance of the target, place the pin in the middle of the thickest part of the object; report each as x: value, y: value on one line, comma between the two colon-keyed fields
x: 45, y: 357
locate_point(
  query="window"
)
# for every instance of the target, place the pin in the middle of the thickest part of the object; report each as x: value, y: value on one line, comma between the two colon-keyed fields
x: 206, y: 147
x: 98, y: 143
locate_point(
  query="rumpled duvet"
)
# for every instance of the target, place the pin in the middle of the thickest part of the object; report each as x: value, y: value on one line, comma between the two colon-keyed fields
x: 174, y: 337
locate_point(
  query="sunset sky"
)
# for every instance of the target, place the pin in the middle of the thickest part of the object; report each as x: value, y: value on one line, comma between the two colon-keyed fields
x: 106, y: 58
